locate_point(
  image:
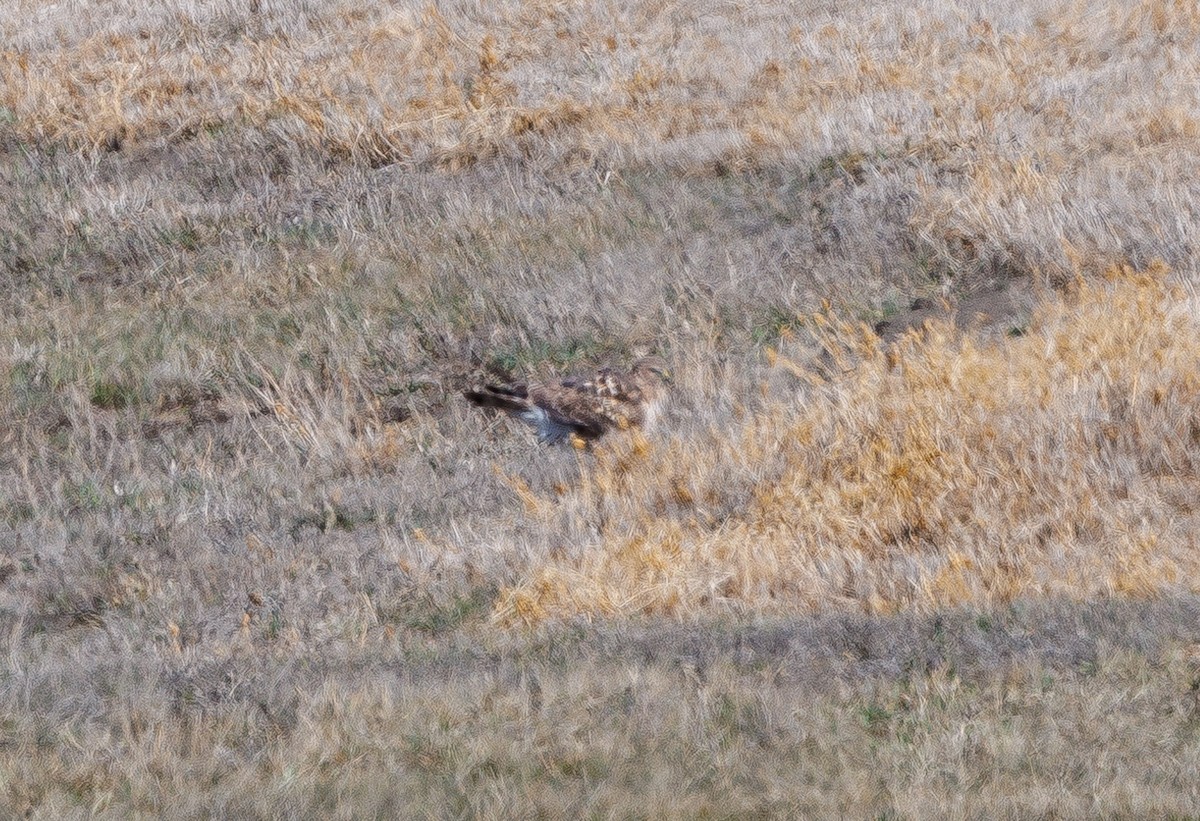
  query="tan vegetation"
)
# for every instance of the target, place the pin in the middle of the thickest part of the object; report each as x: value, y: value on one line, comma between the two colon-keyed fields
x: 258, y: 558
x: 933, y: 472
x: 1076, y: 712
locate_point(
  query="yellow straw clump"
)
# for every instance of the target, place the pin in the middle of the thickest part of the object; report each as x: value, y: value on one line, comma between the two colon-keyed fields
x: 943, y: 471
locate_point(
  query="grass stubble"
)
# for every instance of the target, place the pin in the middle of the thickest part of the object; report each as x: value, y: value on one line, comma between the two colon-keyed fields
x: 258, y: 560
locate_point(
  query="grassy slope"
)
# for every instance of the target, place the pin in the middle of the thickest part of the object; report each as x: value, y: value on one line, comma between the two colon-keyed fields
x: 249, y: 255
x: 936, y: 471
x: 1045, y: 708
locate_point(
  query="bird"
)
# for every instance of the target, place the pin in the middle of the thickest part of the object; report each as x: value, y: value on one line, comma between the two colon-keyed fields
x: 581, y: 409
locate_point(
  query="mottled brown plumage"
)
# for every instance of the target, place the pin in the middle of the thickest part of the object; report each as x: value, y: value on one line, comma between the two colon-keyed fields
x: 586, y: 407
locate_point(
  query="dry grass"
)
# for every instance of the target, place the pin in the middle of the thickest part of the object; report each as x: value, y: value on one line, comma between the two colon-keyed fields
x: 1047, y: 709
x: 257, y: 558
x: 933, y: 472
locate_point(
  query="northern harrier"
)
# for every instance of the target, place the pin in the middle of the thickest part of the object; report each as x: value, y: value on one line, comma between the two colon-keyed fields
x: 583, y: 407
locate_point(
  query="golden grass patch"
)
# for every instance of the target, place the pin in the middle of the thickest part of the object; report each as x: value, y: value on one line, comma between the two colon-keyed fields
x: 942, y: 471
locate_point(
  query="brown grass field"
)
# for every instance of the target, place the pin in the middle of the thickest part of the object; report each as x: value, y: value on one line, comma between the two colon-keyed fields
x: 916, y: 539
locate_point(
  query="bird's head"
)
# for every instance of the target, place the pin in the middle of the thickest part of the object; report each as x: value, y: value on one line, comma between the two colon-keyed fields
x: 654, y: 365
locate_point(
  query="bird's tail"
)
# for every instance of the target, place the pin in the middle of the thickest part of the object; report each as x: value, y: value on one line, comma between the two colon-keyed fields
x: 515, y: 398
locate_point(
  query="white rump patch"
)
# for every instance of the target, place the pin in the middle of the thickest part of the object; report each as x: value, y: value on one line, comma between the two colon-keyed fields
x: 549, y: 431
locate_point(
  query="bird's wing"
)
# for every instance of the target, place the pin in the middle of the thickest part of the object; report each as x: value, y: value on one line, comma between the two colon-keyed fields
x: 606, y: 399
x: 571, y: 406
